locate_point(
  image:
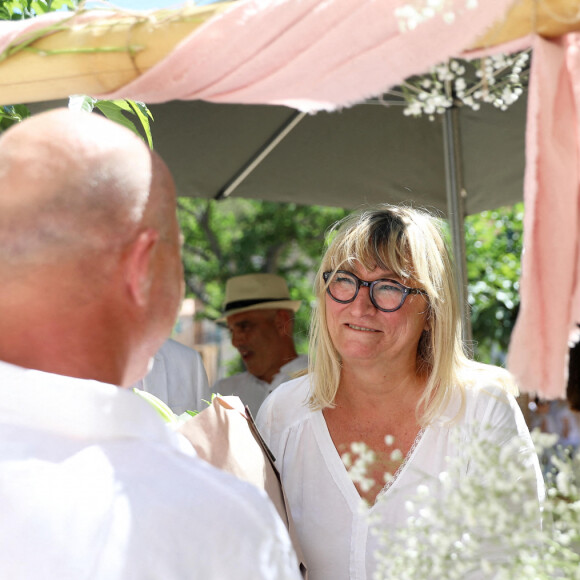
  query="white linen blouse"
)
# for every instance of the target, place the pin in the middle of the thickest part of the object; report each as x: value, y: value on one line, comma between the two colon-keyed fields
x: 331, y: 522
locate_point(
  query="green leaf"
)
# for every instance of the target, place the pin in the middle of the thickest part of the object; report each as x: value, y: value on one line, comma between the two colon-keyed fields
x: 44, y: 6
x: 144, y: 114
x: 121, y: 103
x: 114, y: 111
x: 164, y: 411
x: 12, y: 114
x: 22, y: 9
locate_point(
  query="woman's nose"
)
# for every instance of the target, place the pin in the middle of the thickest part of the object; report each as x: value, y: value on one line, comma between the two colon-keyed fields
x: 362, y: 303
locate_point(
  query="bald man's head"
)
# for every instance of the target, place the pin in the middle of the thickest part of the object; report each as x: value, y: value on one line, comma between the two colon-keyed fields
x: 69, y: 182
x: 89, y: 248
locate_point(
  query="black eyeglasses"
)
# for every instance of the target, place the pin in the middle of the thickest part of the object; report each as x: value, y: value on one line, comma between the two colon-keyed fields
x: 386, y: 295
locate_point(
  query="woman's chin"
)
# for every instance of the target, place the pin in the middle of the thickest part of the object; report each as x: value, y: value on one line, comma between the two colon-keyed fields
x: 359, y: 357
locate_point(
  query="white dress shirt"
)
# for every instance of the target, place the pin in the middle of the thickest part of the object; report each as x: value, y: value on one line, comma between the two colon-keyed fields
x: 332, y: 526
x: 93, y: 485
x: 251, y: 390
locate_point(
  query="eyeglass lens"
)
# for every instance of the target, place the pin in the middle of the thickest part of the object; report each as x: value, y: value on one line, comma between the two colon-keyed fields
x: 386, y: 294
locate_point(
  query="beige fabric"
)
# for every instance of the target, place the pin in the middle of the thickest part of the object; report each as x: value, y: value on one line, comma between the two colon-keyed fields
x: 226, y: 436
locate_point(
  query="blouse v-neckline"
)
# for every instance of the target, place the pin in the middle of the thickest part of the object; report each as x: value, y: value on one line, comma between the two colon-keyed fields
x: 340, y: 474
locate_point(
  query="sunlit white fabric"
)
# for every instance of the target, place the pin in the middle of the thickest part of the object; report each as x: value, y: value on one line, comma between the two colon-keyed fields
x: 94, y: 485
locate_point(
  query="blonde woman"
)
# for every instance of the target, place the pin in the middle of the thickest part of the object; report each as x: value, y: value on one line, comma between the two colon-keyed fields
x: 388, y: 369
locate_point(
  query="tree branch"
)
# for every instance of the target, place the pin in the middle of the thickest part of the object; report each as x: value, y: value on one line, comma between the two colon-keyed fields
x: 187, y: 210
x: 198, y: 291
x: 204, y: 223
x: 273, y: 258
x: 196, y: 252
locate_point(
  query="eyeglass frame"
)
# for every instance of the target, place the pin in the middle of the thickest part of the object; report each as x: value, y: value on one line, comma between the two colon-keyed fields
x: 406, y: 290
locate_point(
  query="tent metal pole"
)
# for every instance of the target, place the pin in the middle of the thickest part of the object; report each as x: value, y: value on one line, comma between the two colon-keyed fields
x: 456, y: 212
x: 249, y: 167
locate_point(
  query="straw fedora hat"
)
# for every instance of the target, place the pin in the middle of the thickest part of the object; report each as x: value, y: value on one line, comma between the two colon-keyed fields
x: 257, y: 292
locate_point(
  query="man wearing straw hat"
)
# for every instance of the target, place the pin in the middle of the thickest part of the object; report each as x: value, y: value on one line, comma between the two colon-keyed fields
x: 260, y: 316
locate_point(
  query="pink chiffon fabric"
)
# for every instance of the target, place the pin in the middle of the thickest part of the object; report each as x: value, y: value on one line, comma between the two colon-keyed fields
x: 550, y: 290
x: 307, y: 54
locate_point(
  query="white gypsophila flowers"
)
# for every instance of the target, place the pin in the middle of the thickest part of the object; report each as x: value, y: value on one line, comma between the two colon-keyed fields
x: 411, y: 14
x: 477, y: 526
x: 497, y: 79
x: 485, y: 522
x: 360, y: 458
x: 357, y: 462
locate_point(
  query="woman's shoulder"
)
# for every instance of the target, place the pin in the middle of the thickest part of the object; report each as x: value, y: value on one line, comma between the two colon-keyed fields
x: 287, y: 404
x: 488, y: 403
x: 485, y: 390
x: 487, y: 394
x: 484, y: 395
x: 488, y: 384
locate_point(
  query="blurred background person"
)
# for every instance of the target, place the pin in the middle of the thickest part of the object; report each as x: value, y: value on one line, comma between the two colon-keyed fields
x: 260, y: 317
x: 178, y: 378
x: 557, y: 418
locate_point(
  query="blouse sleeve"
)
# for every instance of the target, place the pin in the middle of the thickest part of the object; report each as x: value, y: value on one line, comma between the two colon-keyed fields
x: 502, y: 468
x: 497, y: 424
x: 271, y: 420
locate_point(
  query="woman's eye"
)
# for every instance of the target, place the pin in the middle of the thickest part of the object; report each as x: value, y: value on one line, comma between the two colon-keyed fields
x: 344, y: 280
x: 387, y: 288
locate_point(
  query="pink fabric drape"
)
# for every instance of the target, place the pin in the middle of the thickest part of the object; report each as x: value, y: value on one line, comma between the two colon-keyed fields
x: 550, y: 290
x: 307, y: 54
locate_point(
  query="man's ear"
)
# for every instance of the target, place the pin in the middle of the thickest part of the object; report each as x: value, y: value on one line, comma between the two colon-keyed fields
x: 282, y: 321
x: 139, y: 271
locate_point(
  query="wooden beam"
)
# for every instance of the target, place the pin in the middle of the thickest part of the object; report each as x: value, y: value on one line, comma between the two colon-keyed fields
x: 96, y: 57
x: 548, y: 18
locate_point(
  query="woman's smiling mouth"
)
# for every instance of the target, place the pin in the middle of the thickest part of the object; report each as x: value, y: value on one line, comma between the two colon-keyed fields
x: 354, y: 327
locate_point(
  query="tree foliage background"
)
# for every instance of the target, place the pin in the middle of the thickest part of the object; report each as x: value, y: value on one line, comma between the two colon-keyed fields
x: 494, y: 242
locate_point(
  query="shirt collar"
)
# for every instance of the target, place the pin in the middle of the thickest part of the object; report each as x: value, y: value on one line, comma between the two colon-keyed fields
x: 296, y: 364
x: 76, y: 407
x: 286, y: 371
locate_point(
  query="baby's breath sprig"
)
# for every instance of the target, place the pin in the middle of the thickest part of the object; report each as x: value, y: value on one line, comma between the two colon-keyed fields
x: 481, y: 525
x: 498, y: 79
x: 411, y: 14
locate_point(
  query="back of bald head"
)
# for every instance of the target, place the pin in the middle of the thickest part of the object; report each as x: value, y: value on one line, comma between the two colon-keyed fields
x: 70, y: 183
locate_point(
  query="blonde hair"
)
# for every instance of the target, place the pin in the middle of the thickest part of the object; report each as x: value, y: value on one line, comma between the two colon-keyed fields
x: 410, y: 243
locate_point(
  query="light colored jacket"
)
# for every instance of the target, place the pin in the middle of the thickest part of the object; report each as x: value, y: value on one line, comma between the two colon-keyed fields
x: 178, y: 378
